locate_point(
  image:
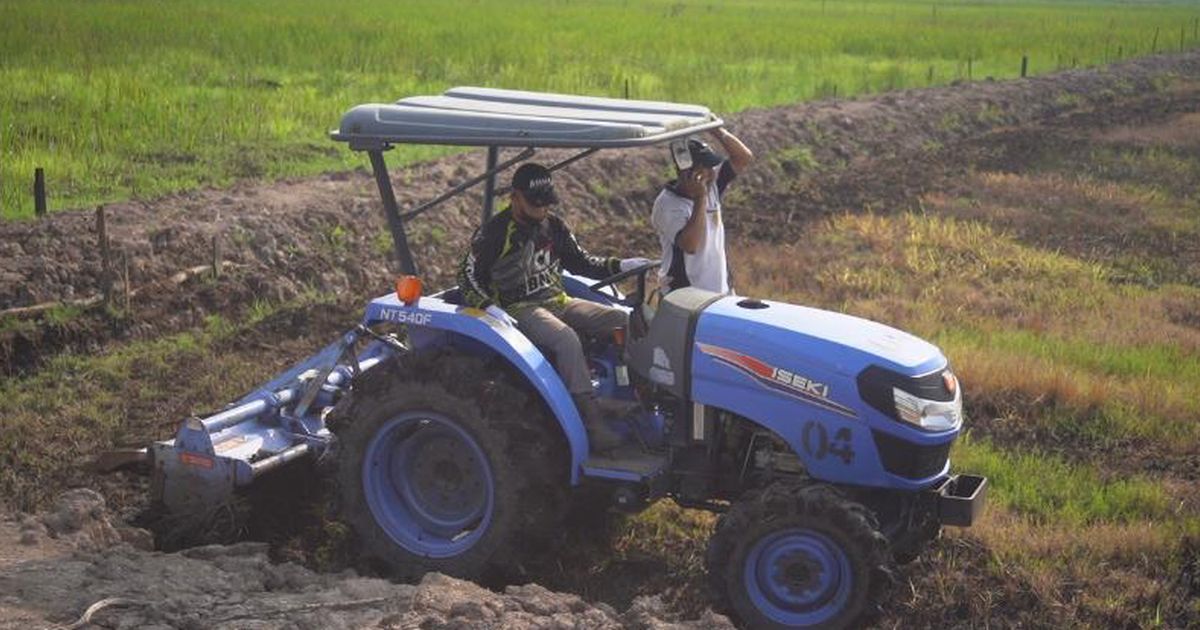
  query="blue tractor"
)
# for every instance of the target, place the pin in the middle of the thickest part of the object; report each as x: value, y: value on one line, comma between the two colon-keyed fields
x: 822, y: 439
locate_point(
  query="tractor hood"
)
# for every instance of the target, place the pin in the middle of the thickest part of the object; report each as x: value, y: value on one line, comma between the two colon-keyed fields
x: 786, y: 334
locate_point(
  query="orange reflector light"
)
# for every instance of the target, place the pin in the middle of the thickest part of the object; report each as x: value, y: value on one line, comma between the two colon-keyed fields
x: 619, y: 337
x: 950, y: 381
x: 408, y: 289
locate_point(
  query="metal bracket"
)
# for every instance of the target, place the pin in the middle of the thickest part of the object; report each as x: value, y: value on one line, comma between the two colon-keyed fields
x: 388, y: 340
x: 523, y: 155
x: 504, y: 190
x: 318, y: 381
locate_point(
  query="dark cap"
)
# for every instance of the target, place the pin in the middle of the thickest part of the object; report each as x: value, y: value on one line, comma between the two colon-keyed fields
x: 533, y: 180
x: 702, y: 154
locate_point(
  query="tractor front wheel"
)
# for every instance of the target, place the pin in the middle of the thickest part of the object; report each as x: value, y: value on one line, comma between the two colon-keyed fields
x: 798, y: 555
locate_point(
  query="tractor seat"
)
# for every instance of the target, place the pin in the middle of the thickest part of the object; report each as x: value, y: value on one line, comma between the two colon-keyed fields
x: 451, y: 296
x: 643, y: 314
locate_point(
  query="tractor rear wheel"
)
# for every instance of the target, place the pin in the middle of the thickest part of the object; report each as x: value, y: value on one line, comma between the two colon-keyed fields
x: 444, y: 465
x: 798, y: 554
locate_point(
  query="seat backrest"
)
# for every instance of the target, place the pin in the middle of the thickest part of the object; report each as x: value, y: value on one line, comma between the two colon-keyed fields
x: 662, y: 354
x: 451, y: 296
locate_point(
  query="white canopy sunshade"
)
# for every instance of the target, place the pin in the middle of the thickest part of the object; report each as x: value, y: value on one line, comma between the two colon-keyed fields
x: 474, y: 116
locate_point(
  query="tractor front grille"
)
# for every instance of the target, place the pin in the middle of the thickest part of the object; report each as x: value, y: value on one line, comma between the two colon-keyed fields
x: 908, y: 460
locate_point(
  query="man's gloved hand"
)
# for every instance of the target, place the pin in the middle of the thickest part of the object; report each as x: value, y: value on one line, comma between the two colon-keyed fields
x: 634, y: 263
x: 501, y: 315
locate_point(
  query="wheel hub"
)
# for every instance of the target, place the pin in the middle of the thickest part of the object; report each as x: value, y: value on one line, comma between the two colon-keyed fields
x: 440, y: 476
x: 428, y: 484
x: 798, y: 577
x: 799, y: 573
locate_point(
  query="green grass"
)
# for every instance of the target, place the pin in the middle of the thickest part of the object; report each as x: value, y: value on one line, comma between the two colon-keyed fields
x: 1161, y: 361
x: 1080, y: 390
x: 1047, y: 489
x: 119, y: 99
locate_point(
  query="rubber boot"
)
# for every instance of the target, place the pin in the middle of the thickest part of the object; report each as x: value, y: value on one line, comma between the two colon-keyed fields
x: 600, y: 436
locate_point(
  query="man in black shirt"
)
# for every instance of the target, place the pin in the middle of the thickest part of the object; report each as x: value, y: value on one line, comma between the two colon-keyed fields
x: 514, y: 272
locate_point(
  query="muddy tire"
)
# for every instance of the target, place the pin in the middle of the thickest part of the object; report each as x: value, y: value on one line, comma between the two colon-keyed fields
x: 445, y: 464
x: 908, y: 550
x: 798, y: 555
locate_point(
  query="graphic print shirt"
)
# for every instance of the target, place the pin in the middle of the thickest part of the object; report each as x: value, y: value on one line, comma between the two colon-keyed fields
x: 512, y: 263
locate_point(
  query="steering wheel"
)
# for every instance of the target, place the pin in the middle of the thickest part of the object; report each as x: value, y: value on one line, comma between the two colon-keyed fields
x: 639, y: 271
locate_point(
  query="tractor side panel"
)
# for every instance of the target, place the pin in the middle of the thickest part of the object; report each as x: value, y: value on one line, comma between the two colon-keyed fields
x: 763, y: 374
x: 433, y: 322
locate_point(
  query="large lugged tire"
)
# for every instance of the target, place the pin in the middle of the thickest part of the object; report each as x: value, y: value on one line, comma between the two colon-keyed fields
x: 798, y: 555
x: 444, y: 465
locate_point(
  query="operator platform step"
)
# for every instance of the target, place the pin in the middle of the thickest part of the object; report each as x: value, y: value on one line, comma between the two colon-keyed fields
x: 627, y: 462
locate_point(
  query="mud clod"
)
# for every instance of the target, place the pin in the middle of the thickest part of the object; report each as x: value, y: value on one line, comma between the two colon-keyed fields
x: 239, y: 586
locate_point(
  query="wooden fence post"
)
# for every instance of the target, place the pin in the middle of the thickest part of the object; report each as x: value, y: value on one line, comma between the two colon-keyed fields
x: 1154, y: 46
x: 1024, y: 65
x: 216, y: 256
x: 39, y: 192
x: 105, y: 260
x: 125, y: 282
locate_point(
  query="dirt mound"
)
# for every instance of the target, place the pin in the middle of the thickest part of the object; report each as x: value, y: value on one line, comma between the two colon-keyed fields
x: 56, y: 566
x: 327, y: 235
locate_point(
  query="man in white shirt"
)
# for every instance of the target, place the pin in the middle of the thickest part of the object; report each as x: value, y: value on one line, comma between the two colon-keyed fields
x: 687, y: 216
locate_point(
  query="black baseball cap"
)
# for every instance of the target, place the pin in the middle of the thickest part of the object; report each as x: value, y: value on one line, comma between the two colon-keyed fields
x: 533, y: 180
x: 702, y: 154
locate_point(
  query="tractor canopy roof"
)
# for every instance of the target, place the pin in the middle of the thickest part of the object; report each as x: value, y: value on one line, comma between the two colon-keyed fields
x: 475, y: 116
x: 506, y: 119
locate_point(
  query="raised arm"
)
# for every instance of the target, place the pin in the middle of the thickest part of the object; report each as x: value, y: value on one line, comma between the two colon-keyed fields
x: 739, y: 155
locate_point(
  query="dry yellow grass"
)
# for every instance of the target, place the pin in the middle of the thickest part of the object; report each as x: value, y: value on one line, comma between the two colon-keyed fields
x: 928, y: 272
x: 1091, y: 548
x: 1137, y: 407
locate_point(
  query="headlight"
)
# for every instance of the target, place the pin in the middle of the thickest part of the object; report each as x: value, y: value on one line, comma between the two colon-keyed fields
x: 930, y: 402
x: 931, y: 415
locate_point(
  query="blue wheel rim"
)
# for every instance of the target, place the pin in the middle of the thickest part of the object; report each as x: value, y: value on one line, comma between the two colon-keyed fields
x: 428, y: 484
x: 798, y: 577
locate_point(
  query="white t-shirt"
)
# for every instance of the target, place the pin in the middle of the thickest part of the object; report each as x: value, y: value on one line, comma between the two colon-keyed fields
x: 707, y: 268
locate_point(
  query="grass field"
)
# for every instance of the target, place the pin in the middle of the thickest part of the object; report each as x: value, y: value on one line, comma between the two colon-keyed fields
x: 1083, y: 375
x: 120, y: 99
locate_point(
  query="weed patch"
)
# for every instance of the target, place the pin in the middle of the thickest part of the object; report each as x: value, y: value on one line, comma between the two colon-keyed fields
x: 1047, y: 489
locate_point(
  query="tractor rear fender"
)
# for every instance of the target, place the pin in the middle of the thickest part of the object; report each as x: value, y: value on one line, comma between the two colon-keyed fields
x: 433, y: 322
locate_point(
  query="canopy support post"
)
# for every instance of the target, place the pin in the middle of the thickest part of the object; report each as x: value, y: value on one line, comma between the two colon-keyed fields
x: 391, y: 210
x: 489, y: 187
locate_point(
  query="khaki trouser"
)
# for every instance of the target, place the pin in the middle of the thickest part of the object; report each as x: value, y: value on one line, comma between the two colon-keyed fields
x: 549, y: 326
